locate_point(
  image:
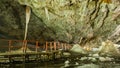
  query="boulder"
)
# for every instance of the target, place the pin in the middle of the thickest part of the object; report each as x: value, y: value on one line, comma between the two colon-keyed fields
x: 88, y: 66
x: 108, y: 49
x: 77, y: 49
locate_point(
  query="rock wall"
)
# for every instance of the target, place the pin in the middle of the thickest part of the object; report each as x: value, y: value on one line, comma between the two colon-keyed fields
x: 71, y: 21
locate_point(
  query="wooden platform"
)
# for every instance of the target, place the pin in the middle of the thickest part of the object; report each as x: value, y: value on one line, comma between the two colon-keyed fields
x: 29, y: 56
x: 23, y: 50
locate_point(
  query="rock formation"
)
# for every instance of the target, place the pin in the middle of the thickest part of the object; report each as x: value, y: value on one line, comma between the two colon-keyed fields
x: 71, y: 21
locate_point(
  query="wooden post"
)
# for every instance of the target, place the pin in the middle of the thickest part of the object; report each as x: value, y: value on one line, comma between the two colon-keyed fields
x: 25, y: 45
x: 46, y: 46
x: 54, y: 45
x: 68, y: 46
x: 62, y: 46
x: 36, y: 46
x: 50, y: 46
x: 10, y: 58
x: 58, y: 45
x: 10, y: 45
x: 65, y: 46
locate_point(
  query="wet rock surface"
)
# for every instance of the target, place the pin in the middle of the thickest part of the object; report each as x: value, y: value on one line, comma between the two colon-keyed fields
x: 70, y: 21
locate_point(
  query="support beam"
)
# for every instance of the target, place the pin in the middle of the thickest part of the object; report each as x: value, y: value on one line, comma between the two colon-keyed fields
x: 46, y: 46
x: 62, y: 46
x: 54, y: 45
x: 10, y: 42
x: 65, y: 46
x: 51, y: 46
x: 37, y: 43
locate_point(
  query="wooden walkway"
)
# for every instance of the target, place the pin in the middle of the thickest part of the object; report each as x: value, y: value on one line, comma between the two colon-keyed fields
x: 29, y: 50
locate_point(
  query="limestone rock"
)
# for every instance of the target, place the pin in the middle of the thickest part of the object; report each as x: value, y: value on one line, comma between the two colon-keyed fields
x: 78, y: 49
x: 88, y: 66
x: 109, y: 49
x: 59, y: 20
x: 75, y: 19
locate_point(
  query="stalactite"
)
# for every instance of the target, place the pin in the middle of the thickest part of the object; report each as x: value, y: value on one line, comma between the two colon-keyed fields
x: 47, y: 14
x: 27, y: 20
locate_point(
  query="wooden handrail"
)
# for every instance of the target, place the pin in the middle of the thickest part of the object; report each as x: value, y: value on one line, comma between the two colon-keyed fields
x: 48, y: 45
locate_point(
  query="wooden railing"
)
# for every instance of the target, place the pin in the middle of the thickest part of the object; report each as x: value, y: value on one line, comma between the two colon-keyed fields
x: 24, y: 44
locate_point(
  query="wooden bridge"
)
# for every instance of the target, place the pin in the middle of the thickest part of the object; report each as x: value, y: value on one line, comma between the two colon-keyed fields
x: 30, y: 50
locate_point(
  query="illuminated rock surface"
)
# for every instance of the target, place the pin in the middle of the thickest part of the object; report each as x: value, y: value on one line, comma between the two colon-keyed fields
x: 71, y: 21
